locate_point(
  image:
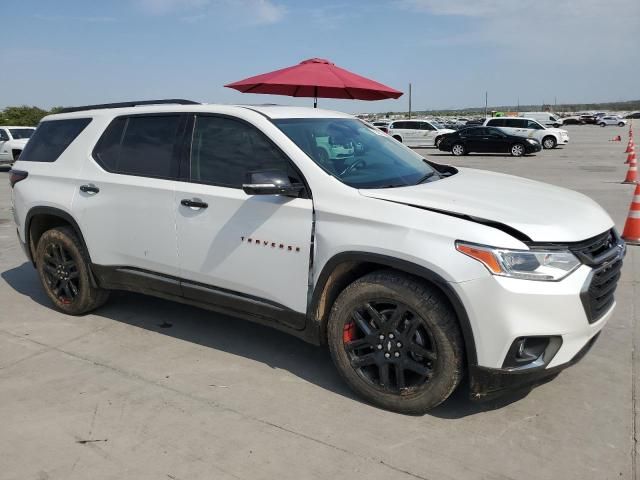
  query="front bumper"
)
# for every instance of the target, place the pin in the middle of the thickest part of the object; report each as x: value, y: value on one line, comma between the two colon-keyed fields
x: 488, y: 383
x: 4, y: 163
x: 530, y: 148
x: 564, y: 139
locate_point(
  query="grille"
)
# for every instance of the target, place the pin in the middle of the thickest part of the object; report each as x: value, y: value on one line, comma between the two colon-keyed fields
x: 604, y: 254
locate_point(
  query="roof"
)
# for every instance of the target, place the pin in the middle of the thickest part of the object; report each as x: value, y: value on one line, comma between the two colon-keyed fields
x: 270, y: 111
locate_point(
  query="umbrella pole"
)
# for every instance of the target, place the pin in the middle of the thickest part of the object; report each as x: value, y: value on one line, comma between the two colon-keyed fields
x: 315, y: 97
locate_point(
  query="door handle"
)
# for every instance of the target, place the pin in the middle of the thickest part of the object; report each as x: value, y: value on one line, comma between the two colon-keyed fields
x: 193, y: 203
x: 91, y: 188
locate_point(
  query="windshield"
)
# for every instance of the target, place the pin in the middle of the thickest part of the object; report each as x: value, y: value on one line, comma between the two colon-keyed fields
x: 356, y: 154
x: 19, y: 133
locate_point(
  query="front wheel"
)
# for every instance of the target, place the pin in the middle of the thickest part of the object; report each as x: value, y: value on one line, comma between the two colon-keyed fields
x: 458, y: 150
x: 63, y: 267
x: 437, y: 142
x: 398, y: 138
x: 549, y: 142
x: 396, y: 341
x: 517, y: 150
x: 621, y: 124
x: 602, y: 124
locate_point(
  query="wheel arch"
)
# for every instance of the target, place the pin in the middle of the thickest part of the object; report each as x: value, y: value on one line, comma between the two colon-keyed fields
x: 40, y: 219
x: 346, y: 267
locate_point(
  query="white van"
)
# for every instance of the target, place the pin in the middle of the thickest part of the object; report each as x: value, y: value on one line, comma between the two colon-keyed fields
x: 418, y: 133
x: 545, y: 118
x: 530, y: 128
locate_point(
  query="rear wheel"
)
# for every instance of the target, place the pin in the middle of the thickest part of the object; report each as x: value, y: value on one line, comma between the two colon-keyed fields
x: 16, y: 154
x: 437, y: 142
x: 549, y: 142
x: 63, y: 267
x: 602, y: 124
x: 395, y: 340
x: 458, y: 149
x: 517, y: 150
x: 621, y: 124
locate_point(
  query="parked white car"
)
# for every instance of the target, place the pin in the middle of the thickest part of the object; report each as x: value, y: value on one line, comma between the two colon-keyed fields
x: 611, y: 120
x: 529, y: 128
x: 415, y: 274
x: 12, y: 142
x: 417, y: 133
x: 544, y: 118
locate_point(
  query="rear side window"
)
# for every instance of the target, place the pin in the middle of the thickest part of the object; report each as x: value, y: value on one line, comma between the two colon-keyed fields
x: 51, y: 138
x: 497, y: 122
x: 141, y: 145
x: 515, y: 123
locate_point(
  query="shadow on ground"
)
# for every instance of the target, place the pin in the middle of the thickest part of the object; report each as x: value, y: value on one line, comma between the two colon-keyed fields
x: 238, y: 337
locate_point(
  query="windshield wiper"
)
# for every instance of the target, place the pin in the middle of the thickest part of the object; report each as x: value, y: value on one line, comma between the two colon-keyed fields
x: 426, y: 177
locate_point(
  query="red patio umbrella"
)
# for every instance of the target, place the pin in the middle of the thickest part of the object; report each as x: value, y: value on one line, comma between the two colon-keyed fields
x: 315, y: 78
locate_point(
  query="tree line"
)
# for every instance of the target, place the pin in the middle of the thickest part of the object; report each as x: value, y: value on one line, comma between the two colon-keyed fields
x: 24, y: 115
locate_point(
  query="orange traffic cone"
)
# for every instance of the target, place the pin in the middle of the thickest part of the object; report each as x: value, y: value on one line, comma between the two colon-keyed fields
x: 629, y: 145
x: 631, y: 158
x: 631, y: 233
x: 632, y: 173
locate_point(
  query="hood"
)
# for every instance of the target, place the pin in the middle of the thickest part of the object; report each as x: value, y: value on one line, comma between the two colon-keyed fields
x: 446, y: 130
x: 542, y: 212
x: 20, y: 141
x: 557, y: 130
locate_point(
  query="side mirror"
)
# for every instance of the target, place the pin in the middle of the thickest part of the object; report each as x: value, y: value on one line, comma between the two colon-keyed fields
x: 271, y: 182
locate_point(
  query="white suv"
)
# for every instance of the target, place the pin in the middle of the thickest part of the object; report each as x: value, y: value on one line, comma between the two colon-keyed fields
x: 12, y: 142
x: 417, y: 133
x: 414, y: 273
x: 611, y: 120
x: 527, y: 127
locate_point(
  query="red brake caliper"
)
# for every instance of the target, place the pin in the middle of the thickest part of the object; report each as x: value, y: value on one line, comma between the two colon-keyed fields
x: 349, y: 332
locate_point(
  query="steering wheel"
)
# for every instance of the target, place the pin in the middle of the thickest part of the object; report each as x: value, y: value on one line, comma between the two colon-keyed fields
x: 352, y: 167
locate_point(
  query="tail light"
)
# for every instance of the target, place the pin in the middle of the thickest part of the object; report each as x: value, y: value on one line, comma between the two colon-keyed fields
x: 16, y: 176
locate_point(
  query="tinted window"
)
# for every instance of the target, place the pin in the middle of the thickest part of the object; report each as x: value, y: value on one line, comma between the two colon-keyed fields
x: 51, y: 138
x: 426, y: 126
x: 515, y: 123
x: 224, y: 151
x: 21, y: 133
x: 497, y: 122
x: 533, y: 125
x: 141, y: 145
x: 474, y: 132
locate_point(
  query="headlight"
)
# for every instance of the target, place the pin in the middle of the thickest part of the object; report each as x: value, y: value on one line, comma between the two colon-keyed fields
x: 544, y: 265
x: 532, y: 141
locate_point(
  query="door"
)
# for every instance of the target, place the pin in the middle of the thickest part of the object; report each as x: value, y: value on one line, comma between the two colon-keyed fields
x: 252, y: 247
x: 427, y: 134
x: 475, y: 142
x: 495, y: 141
x: 5, y: 152
x: 125, y: 196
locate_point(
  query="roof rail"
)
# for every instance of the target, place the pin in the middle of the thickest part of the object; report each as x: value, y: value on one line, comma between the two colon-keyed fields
x: 172, y: 101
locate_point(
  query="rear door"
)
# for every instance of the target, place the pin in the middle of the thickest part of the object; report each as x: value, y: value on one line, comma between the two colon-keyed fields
x: 235, y: 245
x: 126, y: 198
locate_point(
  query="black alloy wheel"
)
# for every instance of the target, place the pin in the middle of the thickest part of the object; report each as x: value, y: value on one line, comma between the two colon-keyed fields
x: 390, y: 346
x: 61, y: 274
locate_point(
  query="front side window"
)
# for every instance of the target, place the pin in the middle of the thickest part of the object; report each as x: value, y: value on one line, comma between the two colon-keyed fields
x: 21, y: 133
x: 141, y: 145
x: 224, y: 151
x: 361, y: 157
x: 426, y: 126
x: 51, y: 138
x: 532, y: 124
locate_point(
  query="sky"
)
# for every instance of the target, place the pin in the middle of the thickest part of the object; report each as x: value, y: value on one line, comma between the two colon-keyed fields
x: 75, y: 52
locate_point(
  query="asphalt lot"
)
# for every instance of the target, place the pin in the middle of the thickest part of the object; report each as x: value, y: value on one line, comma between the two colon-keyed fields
x: 149, y: 389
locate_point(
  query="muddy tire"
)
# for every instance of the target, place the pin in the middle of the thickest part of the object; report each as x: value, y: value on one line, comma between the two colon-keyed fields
x: 396, y: 341
x: 63, y: 267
